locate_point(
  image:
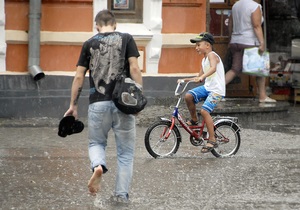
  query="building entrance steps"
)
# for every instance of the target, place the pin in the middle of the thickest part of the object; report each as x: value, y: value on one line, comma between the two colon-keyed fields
x: 248, y: 110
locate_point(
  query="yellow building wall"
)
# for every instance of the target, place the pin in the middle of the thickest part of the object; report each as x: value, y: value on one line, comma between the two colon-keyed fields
x: 56, y: 16
x: 179, y: 17
x: 185, y: 16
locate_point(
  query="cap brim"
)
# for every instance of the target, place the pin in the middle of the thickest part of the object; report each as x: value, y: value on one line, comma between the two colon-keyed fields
x: 195, y: 40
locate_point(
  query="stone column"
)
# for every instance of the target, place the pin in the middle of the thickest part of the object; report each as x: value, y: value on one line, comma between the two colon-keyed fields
x: 153, y: 21
x: 2, y: 37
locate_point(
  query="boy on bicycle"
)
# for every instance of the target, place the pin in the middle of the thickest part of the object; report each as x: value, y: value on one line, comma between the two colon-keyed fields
x: 213, y: 90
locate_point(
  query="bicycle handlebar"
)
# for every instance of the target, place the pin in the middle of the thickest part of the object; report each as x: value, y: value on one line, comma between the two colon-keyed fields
x: 179, y: 84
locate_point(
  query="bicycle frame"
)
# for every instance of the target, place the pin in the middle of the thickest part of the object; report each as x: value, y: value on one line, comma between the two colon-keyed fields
x: 189, y: 129
x: 177, y: 115
x: 227, y: 133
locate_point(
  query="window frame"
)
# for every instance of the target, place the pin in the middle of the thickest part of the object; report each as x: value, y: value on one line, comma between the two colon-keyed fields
x: 132, y: 14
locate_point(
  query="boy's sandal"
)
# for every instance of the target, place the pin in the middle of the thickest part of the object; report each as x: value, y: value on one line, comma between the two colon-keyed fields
x: 191, y: 122
x: 207, y: 149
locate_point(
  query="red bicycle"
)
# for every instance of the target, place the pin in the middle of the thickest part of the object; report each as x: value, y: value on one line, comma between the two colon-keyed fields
x: 163, y: 137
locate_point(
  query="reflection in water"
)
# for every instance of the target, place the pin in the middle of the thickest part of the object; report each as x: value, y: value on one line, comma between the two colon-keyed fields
x: 40, y: 170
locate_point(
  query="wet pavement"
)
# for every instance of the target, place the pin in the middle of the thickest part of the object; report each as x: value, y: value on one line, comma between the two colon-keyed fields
x: 40, y: 170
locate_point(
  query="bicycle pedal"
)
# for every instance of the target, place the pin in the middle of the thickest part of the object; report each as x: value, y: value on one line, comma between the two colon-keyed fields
x: 204, y: 134
x: 196, y: 142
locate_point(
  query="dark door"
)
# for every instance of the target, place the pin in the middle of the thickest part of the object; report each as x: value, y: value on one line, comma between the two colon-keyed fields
x: 243, y: 85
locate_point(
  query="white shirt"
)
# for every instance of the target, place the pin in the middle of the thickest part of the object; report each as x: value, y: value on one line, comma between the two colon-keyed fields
x: 216, y: 82
x: 243, y: 32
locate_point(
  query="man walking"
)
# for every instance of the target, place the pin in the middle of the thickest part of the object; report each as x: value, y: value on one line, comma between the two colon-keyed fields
x: 101, y: 55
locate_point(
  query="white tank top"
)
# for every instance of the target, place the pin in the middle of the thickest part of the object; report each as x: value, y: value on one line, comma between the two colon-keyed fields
x: 216, y: 82
x: 243, y: 32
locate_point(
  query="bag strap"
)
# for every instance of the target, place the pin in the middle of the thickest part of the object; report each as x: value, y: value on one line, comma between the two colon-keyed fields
x: 123, y: 52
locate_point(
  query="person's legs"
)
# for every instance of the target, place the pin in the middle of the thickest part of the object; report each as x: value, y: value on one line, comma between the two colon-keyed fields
x: 208, y: 106
x: 99, y: 124
x: 94, y: 182
x: 189, y: 100
x: 237, y: 62
x: 209, y: 125
x: 237, y: 51
x: 261, y: 85
x: 125, y: 132
x: 192, y: 97
x: 229, y: 76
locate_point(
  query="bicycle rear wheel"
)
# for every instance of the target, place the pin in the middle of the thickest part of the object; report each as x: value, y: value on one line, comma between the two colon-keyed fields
x: 155, y: 141
x: 228, y: 138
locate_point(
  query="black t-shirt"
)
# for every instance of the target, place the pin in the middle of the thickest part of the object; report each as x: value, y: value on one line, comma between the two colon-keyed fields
x: 102, y: 55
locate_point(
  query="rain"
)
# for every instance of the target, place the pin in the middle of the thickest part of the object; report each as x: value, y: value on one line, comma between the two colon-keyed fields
x: 40, y: 169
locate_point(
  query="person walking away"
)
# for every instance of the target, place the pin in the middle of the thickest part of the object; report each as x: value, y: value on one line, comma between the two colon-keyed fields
x: 213, y: 90
x: 101, y: 55
x: 245, y: 31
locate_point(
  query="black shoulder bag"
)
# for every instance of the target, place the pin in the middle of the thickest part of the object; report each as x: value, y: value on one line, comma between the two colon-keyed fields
x: 127, y: 95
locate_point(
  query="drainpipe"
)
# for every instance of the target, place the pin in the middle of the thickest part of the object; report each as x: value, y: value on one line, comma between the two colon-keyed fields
x: 34, y: 40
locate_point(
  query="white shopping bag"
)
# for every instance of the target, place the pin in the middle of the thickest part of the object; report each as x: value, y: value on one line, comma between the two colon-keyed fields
x: 256, y: 64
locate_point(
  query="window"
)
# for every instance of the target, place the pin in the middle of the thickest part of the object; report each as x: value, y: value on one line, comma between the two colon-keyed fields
x: 220, y: 11
x: 127, y: 11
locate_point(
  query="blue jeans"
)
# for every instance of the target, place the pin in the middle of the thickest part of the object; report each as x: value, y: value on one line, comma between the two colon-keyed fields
x: 102, y: 117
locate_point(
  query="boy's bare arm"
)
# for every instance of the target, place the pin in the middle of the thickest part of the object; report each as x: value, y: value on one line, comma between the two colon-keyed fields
x: 214, y: 60
x: 195, y: 79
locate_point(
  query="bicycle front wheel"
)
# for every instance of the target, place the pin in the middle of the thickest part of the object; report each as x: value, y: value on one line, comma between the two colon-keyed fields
x: 228, y: 138
x: 156, y: 142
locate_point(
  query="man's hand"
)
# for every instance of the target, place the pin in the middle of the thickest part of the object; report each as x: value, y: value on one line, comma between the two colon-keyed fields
x: 71, y: 112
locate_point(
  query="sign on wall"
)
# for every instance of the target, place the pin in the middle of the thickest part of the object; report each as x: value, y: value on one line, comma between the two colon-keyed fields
x: 121, y: 4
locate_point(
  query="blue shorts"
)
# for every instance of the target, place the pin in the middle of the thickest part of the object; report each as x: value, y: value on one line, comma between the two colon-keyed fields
x: 211, y: 99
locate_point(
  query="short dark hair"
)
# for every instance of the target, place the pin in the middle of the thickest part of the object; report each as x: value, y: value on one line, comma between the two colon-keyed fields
x: 104, y: 18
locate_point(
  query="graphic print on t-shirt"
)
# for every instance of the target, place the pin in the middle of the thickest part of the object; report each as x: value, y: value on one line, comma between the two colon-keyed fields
x: 105, y: 61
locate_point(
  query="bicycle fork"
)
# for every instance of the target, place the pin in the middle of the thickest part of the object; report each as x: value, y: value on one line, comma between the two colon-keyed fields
x: 167, y: 131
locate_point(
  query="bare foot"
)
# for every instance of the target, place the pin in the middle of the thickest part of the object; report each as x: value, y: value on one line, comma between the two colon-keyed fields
x: 94, y: 182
